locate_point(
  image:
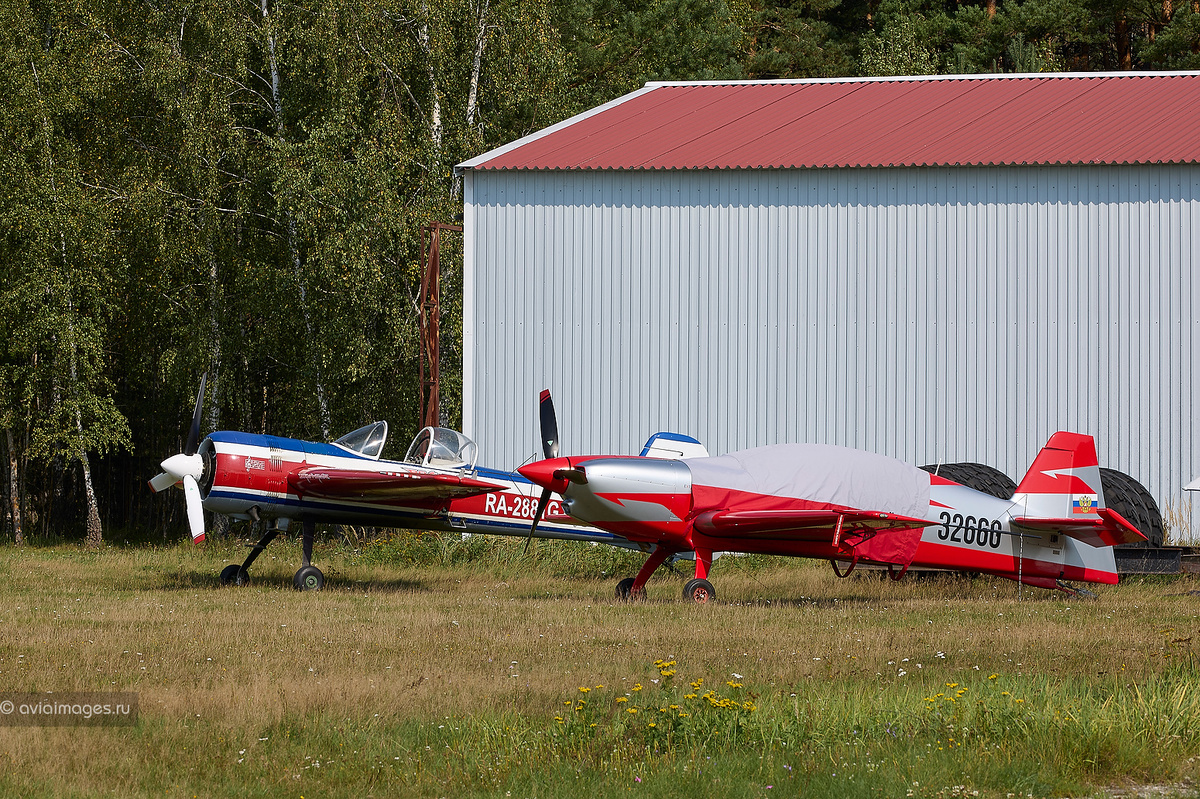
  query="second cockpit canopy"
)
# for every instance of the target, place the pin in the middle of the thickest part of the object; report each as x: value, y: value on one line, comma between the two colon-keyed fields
x: 442, y: 448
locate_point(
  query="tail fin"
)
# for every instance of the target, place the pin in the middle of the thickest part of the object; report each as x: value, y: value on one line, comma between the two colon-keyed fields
x: 673, y: 446
x: 1062, y: 492
x: 1064, y: 480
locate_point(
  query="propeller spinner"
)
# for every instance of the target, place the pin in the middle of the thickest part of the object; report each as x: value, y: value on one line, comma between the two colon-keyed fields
x: 187, y: 468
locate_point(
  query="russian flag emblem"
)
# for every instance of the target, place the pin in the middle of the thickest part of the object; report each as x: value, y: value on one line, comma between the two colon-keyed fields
x: 1083, y: 504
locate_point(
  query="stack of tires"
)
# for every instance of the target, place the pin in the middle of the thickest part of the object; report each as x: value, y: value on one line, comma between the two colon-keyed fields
x: 1122, y: 493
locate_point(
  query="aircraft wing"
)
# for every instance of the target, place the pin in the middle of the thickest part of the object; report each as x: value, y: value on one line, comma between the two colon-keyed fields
x: 874, y: 535
x: 410, y: 486
x: 1109, y: 530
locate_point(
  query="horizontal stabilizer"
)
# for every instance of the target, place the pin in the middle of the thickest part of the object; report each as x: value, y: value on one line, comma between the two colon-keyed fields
x: 1109, y: 529
x: 383, y: 486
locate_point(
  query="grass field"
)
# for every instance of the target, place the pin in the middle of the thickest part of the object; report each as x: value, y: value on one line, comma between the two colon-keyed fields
x: 439, y: 668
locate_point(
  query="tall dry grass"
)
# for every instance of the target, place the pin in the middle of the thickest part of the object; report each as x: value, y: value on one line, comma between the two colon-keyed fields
x: 477, y: 647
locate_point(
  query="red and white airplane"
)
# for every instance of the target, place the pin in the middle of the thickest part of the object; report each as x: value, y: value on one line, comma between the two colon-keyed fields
x: 436, y: 487
x: 850, y: 507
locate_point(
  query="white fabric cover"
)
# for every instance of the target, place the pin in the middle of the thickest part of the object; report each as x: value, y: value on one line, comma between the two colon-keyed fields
x: 820, y: 473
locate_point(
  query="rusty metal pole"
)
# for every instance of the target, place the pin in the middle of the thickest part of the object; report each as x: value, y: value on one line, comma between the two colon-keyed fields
x: 431, y: 312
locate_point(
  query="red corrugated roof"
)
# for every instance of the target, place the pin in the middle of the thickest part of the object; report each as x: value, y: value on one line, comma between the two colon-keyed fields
x: 1128, y: 118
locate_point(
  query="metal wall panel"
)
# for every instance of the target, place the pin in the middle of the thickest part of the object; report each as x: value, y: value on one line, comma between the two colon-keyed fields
x: 931, y: 314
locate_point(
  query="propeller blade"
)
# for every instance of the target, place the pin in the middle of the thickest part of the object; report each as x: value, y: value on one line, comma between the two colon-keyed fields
x: 549, y: 425
x: 193, y: 439
x: 162, y: 481
x: 543, y: 501
x: 195, y: 509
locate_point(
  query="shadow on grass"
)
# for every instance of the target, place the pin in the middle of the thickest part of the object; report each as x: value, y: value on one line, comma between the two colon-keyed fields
x: 193, y: 580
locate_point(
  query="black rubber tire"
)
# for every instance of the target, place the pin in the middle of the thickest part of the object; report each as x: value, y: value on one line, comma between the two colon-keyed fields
x: 700, y: 591
x: 623, y: 589
x: 1130, y: 498
x: 978, y: 476
x: 309, y: 578
x: 230, y: 573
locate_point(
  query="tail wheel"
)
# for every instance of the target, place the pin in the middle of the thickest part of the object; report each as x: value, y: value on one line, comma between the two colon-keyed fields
x: 700, y: 591
x: 979, y: 476
x: 1130, y: 498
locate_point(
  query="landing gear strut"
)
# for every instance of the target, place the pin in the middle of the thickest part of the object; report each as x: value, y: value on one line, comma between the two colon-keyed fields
x: 308, y: 578
x: 698, y: 590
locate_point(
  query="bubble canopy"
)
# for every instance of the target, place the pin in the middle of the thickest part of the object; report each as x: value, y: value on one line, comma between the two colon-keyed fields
x: 442, y: 448
x: 366, y: 441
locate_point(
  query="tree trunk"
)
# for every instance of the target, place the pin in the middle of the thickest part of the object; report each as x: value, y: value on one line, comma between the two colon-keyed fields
x: 480, y: 41
x: 1124, y: 54
x: 293, y: 246
x: 435, y: 107
x: 95, y: 535
x: 14, y: 493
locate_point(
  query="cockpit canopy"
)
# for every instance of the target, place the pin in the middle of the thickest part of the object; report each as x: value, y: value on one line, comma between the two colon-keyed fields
x: 366, y: 441
x: 442, y: 448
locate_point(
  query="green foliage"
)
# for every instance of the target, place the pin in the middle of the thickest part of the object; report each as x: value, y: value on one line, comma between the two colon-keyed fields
x: 796, y: 39
x: 899, y: 49
x: 239, y: 189
x: 1177, y: 42
x: 614, y: 46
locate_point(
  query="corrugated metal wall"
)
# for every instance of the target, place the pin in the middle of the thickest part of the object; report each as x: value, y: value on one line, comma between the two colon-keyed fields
x: 929, y: 314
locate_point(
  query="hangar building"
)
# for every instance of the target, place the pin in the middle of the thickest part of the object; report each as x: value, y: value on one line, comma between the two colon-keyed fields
x: 938, y: 269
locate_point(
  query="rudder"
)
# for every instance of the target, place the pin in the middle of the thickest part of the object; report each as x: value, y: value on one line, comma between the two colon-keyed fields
x: 1064, y: 480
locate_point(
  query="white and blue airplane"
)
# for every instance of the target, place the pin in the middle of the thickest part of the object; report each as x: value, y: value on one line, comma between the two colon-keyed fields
x: 437, y: 486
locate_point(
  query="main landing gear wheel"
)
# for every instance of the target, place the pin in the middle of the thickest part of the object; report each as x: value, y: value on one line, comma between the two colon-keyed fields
x: 625, y: 592
x: 309, y: 578
x: 234, y: 574
x: 700, y: 591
